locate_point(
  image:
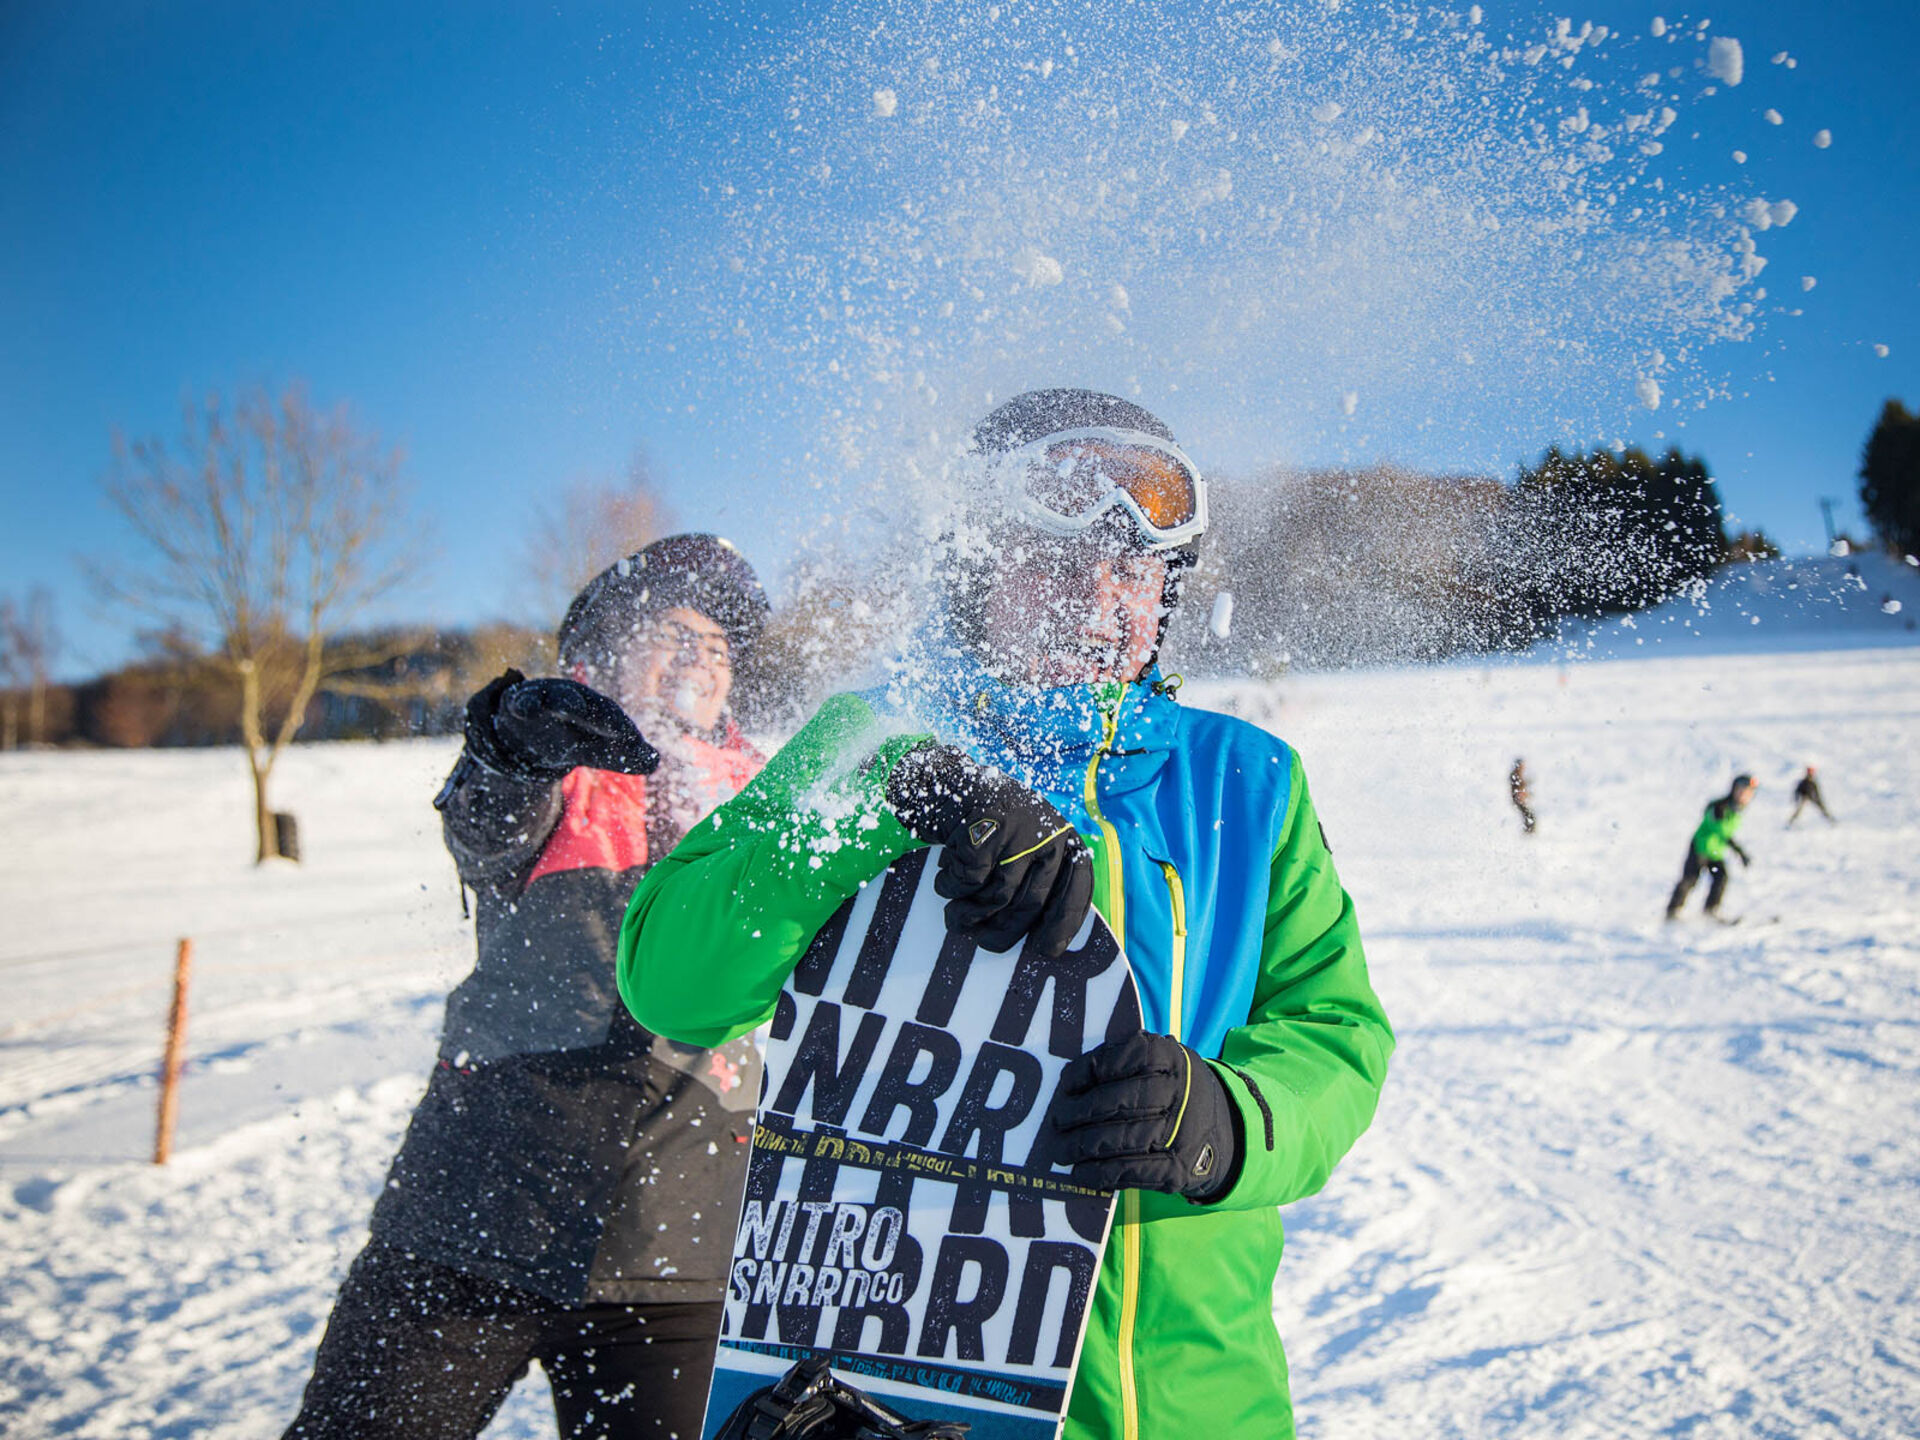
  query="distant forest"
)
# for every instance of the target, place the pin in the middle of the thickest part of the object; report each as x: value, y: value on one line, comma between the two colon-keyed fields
x: 1331, y: 568
x: 1327, y: 568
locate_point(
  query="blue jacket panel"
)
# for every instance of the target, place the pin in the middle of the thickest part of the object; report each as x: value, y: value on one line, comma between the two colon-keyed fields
x: 1205, y: 793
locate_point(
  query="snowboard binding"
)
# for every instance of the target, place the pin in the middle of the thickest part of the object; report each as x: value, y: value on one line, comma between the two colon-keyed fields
x: 810, y: 1403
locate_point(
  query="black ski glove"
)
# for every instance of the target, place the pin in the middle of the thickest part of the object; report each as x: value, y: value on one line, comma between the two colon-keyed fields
x: 1013, y: 864
x: 541, y: 729
x: 810, y: 1402
x: 1147, y: 1113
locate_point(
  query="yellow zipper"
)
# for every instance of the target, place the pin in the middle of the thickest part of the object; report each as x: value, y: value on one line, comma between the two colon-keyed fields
x: 1129, y: 1199
x: 1129, y: 1303
x: 1116, y: 894
x: 1176, y: 1000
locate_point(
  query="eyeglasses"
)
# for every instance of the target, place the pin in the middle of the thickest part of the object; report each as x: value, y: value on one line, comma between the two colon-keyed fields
x: 692, y: 644
x: 1065, y: 483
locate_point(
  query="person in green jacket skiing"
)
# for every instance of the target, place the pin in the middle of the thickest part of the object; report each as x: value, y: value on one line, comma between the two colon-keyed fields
x: 1707, y: 852
x: 1029, y: 730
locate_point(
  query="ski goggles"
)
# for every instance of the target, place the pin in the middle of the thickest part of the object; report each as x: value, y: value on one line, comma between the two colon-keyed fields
x: 1064, y: 484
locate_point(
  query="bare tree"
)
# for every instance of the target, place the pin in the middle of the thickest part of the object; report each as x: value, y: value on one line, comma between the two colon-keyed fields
x: 267, y: 526
x: 29, y: 644
x: 10, y: 674
x: 584, y: 528
x: 37, y: 643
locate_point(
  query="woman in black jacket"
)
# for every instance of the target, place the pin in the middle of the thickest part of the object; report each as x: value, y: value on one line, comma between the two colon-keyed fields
x: 568, y: 1187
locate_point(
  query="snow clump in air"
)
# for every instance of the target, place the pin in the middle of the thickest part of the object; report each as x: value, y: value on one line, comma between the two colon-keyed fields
x: 1647, y: 391
x: 1725, y: 60
x: 1220, y: 622
x: 1822, y: 139
x: 1354, y: 192
x: 1807, y: 282
x: 1765, y: 214
x: 1881, y: 351
x: 1772, y: 116
x: 1038, y: 270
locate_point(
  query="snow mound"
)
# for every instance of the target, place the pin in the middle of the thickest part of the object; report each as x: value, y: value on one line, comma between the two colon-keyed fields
x: 1840, y: 603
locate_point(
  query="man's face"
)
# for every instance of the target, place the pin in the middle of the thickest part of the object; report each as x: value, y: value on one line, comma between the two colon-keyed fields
x: 677, y: 665
x: 1743, y: 795
x: 1072, y: 613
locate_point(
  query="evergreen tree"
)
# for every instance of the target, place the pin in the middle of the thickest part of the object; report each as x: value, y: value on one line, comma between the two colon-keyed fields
x: 1604, y: 532
x: 1750, y: 545
x: 1890, y: 478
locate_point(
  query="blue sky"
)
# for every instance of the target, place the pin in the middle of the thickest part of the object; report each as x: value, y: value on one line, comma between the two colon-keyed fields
x: 525, y: 242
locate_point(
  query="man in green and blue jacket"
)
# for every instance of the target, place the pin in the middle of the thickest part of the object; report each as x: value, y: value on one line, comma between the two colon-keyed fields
x: 1033, y: 735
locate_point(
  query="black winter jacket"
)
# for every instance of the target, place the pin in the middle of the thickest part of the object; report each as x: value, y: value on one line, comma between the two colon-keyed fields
x: 560, y: 1147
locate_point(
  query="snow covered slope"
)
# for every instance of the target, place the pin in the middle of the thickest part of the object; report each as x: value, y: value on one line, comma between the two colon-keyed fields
x: 1627, y: 1179
x: 1863, y: 600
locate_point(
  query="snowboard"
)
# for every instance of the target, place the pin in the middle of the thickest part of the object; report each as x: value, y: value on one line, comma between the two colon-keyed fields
x: 901, y: 1215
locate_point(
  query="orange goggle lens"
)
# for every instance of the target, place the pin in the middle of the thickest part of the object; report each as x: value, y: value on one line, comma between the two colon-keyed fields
x: 1077, y: 475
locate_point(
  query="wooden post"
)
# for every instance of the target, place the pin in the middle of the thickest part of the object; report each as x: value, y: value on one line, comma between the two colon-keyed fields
x: 176, y: 1053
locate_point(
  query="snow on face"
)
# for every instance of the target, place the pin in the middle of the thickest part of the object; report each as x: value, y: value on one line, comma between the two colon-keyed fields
x: 1070, y: 613
x: 677, y: 669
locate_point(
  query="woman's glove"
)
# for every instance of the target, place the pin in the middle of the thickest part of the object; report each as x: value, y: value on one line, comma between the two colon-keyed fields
x: 541, y: 729
x: 1146, y: 1113
x: 1013, y: 864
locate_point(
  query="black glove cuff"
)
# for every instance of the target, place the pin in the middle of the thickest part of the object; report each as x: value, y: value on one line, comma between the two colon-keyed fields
x: 1225, y: 1169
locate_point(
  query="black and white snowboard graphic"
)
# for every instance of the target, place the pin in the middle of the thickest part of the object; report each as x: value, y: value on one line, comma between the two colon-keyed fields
x: 901, y: 1214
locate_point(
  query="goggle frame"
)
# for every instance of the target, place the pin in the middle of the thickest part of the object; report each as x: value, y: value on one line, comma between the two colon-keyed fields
x: 1017, y: 464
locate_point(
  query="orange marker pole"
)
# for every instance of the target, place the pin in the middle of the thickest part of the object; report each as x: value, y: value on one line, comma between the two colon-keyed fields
x: 176, y: 1053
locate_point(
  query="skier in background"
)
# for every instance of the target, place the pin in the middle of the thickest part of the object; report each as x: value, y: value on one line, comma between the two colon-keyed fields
x: 1521, y: 789
x: 568, y: 1187
x: 1712, y: 839
x: 1033, y: 735
x: 1806, y: 793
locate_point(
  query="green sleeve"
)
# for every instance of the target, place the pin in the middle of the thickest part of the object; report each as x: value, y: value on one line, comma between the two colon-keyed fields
x: 1306, y: 1068
x: 715, y: 928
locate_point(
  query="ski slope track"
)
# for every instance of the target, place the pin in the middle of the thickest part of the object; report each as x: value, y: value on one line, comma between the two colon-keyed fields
x: 1627, y: 1179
